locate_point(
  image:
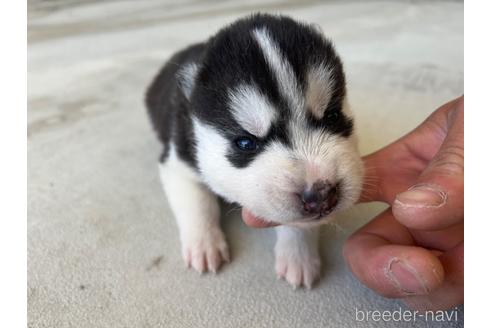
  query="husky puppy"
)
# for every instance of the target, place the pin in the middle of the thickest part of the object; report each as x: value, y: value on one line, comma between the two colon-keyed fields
x: 258, y: 116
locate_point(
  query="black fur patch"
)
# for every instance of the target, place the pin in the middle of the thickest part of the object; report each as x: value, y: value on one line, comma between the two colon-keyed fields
x: 233, y: 57
x: 168, y: 108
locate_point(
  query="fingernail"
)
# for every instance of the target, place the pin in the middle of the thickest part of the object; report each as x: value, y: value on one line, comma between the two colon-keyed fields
x: 421, y: 196
x: 404, y: 277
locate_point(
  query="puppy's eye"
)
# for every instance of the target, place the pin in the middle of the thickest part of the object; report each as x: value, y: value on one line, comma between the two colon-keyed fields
x: 333, y: 116
x: 246, y: 144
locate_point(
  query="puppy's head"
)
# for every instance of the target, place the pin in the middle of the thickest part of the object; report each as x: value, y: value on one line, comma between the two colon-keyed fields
x: 272, y: 126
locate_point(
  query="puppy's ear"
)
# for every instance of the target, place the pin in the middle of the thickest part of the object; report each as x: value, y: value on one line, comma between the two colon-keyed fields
x: 186, y: 76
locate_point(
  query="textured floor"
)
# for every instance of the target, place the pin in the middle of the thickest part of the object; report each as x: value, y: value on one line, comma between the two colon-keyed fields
x: 103, y: 249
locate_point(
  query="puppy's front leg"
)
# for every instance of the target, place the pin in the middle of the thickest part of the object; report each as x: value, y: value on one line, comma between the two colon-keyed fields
x: 297, y: 256
x: 197, y: 213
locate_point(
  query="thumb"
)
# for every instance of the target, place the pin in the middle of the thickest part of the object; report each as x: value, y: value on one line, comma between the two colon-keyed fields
x: 436, y: 200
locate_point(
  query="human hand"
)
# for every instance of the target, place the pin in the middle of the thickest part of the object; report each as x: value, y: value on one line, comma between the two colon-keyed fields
x: 414, y: 250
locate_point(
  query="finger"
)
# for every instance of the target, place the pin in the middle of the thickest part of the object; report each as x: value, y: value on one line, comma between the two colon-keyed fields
x: 392, y: 167
x: 388, y: 172
x: 390, y: 269
x: 251, y: 220
x: 371, y: 186
x: 450, y: 293
x: 436, y: 201
x: 442, y: 240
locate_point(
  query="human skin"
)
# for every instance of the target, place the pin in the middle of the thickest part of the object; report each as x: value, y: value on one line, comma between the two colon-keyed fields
x: 414, y: 249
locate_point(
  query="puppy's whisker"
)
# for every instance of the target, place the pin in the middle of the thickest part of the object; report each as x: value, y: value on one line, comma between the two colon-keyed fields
x: 234, y: 209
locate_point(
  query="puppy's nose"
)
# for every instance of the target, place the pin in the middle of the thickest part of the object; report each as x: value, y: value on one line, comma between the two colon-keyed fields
x: 320, y: 198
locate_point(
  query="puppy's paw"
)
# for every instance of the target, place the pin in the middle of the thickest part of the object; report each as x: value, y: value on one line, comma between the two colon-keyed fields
x: 205, y: 250
x: 298, y: 267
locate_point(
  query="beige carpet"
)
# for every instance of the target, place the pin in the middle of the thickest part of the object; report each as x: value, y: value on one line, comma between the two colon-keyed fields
x: 103, y: 248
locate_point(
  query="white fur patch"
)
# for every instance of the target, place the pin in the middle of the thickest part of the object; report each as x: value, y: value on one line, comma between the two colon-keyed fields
x: 251, y: 109
x: 329, y: 157
x: 283, y: 70
x: 197, y: 214
x: 319, y: 89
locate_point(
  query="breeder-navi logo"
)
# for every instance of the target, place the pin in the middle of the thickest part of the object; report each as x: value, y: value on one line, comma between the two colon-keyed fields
x: 406, y: 315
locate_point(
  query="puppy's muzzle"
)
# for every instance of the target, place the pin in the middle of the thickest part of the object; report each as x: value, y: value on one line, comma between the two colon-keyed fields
x: 320, y: 198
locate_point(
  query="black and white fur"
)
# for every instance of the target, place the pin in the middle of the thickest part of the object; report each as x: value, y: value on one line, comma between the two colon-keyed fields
x: 279, y: 83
